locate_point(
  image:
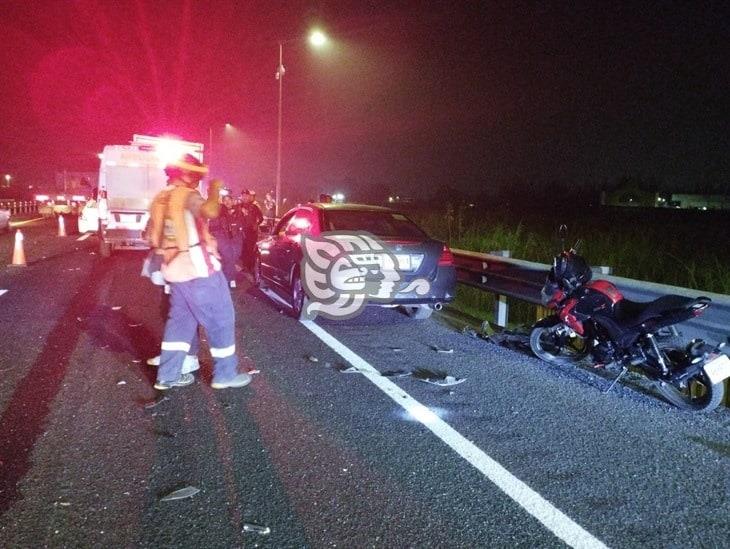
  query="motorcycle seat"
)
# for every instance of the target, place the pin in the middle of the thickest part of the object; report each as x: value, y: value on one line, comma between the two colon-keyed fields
x: 632, y: 313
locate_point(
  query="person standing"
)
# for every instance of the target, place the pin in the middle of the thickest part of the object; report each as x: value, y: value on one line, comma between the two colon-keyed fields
x: 252, y: 218
x: 227, y: 229
x: 198, y: 290
x: 269, y: 211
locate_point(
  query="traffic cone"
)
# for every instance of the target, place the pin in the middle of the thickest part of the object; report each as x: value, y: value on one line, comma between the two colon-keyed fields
x: 18, y: 253
x: 61, y: 226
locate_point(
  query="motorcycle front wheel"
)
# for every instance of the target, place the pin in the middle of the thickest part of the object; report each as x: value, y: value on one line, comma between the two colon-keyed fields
x: 553, y: 345
x: 696, y: 394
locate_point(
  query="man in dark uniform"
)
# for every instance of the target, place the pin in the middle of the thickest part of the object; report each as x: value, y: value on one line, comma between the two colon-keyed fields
x: 252, y: 218
x: 227, y: 229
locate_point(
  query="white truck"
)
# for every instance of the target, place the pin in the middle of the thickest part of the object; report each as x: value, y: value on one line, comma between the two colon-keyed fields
x: 129, y: 178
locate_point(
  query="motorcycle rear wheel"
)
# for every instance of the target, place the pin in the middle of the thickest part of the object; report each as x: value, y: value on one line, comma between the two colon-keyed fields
x: 551, y: 346
x: 697, y: 395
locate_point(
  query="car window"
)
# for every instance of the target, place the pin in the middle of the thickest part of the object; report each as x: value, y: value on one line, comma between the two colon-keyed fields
x: 384, y: 224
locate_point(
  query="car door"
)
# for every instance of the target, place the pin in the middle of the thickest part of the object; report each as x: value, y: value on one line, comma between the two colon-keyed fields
x: 288, y: 248
x: 270, y: 250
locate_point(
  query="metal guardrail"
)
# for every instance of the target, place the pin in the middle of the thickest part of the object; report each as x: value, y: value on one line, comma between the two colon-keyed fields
x: 523, y: 280
x: 19, y: 206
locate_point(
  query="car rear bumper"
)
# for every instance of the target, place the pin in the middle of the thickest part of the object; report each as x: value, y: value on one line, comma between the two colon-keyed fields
x: 442, y: 290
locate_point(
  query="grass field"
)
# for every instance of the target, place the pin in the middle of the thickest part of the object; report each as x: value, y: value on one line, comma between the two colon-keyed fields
x: 677, y: 247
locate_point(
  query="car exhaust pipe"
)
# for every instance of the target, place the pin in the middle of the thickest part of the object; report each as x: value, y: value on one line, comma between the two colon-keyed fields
x: 438, y: 306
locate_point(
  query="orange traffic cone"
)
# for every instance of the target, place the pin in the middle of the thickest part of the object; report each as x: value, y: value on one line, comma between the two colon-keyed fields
x: 18, y: 253
x: 61, y: 226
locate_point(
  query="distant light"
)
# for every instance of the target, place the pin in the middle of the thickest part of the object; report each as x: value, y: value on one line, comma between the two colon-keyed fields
x: 41, y: 197
x: 338, y: 197
x: 78, y: 198
x: 390, y: 199
x: 229, y: 125
x: 317, y: 38
x: 7, y: 177
x: 704, y: 207
x: 60, y: 197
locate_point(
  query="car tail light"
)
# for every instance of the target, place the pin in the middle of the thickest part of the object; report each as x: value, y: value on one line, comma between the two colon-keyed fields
x: 447, y: 258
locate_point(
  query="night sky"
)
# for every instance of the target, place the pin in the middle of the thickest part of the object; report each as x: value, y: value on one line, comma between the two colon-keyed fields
x: 408, y: 95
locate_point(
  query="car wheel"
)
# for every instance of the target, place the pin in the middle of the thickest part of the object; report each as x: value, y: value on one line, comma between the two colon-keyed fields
x: 299, y: 299
x: 418, y: 312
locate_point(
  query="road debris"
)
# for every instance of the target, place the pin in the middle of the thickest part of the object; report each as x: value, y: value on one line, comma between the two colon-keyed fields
x: 442, y: 350
x: 152, y: 403
x: 256, y: 528
x: 396, y: 349
x: 182, y: 493
x: 395, y: 373
x: 135, y: 325
x: 312, y: 358
x: 163, y: 433
x: 116, y: 307
x: 436, y: 377
x: 122, y: 382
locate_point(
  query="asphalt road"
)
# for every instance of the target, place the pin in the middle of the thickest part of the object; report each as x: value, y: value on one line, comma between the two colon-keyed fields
x: 518, y: 455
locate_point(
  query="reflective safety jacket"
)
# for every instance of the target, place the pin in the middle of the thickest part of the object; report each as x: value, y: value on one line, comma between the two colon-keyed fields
x: 181, y: 236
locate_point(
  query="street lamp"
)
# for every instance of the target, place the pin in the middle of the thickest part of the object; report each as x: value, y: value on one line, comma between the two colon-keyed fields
x: 7, y: 179
x: 317, y: 39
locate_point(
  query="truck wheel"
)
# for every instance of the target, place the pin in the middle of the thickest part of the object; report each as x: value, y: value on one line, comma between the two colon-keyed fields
x: 105, y: 249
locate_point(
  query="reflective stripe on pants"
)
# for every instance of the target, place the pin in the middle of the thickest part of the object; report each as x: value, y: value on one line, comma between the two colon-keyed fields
x: 204, y: 301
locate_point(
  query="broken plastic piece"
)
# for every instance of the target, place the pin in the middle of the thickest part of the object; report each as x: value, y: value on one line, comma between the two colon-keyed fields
x: 182, y: 493
x: 256, y: 528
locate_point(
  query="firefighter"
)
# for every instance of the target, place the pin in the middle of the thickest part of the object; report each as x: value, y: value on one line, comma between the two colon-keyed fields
x: 252, y: 218
x: 199, y: 293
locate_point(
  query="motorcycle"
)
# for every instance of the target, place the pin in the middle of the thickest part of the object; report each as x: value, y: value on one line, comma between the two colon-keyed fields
x: 591, y: 319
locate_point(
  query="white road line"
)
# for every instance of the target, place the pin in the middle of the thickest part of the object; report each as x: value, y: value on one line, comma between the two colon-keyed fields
x: 3, y: 292
x: 83, y: 237
x: 552, y: 518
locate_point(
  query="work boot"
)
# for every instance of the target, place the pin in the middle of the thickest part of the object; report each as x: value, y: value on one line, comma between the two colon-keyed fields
x: 185, y: 379
x: 154, y: 361
x: 241, y: 380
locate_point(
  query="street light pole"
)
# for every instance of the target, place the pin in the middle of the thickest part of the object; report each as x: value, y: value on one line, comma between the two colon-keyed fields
x: 318, y: 39
x: 280, y: 77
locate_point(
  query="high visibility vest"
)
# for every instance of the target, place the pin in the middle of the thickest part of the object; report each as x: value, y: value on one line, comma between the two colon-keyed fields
x: 182, y: 238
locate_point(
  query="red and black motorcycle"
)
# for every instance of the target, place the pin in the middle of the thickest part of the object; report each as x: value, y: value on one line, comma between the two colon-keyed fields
x: 592, y: 320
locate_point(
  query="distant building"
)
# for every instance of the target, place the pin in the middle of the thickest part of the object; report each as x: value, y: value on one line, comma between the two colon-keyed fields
x: 700, y: 201
x: 633, y: 197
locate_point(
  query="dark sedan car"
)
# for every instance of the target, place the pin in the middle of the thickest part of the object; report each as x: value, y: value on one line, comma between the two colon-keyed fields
x: 354, y: 252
